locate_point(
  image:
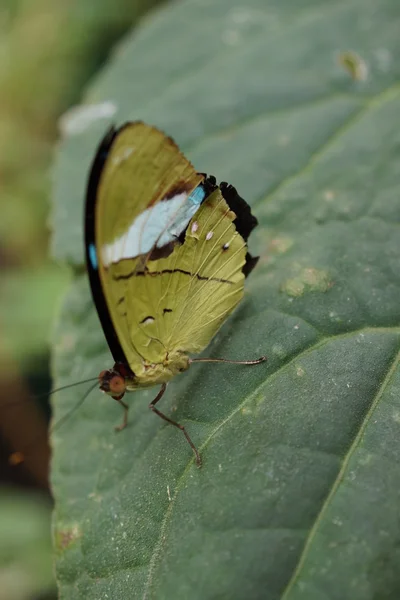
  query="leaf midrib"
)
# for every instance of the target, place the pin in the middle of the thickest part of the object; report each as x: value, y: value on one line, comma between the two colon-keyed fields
x: 374, y: 102
x: 161, y: 540
x: 339, y: 479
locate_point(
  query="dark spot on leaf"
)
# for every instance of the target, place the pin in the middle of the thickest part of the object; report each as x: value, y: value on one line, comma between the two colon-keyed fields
x: 66, y: 537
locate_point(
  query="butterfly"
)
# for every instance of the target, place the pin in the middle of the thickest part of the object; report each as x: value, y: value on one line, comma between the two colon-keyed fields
x: 166, y: 254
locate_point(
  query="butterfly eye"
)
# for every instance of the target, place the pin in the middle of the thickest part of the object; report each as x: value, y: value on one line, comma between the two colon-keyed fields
x: 112, y: 383
x: 117, y: 385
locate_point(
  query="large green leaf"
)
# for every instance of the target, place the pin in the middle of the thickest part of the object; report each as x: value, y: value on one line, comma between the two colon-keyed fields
x: 299, y: 494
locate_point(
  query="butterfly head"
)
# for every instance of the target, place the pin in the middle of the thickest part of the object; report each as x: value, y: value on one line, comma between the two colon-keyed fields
x: 114, y: 382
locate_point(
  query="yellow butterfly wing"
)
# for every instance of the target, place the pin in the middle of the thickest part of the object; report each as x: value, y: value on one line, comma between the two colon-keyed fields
x: 170, y: 255
x: 143, y: 168
x: 181, y: 301
x: 139, y: 182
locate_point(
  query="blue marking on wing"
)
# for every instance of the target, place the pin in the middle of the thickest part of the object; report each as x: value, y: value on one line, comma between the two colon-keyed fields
x: 93, y: 256
x: 158, y: 225
x: 198, y: 195
x: 183, y: 216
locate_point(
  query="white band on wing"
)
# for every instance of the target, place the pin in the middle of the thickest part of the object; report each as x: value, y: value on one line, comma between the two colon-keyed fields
x: 155, y: 226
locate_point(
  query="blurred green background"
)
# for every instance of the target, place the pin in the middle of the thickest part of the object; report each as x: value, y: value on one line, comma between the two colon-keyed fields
x: 49, y: 49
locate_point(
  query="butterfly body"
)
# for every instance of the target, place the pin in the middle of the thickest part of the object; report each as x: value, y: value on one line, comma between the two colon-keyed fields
x: 166, y: 250
x: 151, y: 373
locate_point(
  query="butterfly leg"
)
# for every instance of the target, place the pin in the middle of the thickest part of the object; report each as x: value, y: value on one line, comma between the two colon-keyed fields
x: 257, y: 361
x: 152, y: 405
x: 125, y: 417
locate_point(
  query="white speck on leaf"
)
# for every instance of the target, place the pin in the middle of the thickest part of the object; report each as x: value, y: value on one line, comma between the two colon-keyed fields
x: 79, y: 118
x: 351, y: 476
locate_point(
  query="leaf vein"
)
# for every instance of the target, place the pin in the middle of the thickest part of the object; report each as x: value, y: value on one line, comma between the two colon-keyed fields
x: 165, y: 521
x: 339, y: 478
x: 356, y: 116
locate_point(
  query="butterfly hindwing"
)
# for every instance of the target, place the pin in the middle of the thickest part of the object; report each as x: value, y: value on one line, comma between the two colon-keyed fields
x: 182, y: 300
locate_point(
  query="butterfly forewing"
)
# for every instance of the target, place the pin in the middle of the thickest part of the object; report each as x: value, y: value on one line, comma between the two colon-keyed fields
x: 144, y: 184
x: 143, y: 168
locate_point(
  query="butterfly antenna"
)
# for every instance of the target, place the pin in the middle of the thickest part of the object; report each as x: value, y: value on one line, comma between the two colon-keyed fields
x: 19, y: 456
x: 74, y: 408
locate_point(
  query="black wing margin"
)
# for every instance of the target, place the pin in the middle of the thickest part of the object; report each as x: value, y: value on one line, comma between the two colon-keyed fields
x: 91, y: 247
x: 245, y: 221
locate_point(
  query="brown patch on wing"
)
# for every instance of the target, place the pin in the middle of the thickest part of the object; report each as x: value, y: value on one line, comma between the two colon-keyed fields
x: 185, y: 185
x: 181, y: 187
x: 163, y: 252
